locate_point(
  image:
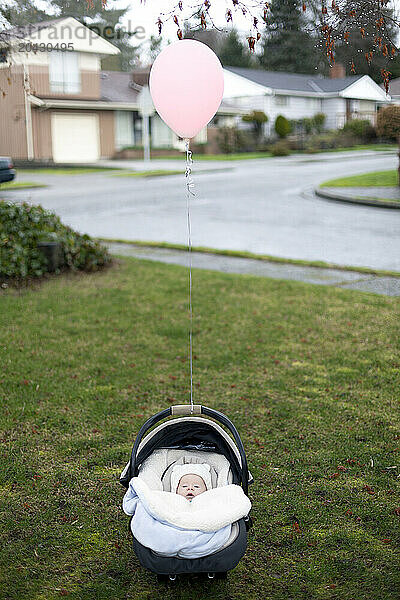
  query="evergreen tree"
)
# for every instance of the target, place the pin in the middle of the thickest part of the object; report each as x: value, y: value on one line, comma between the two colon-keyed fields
x: 211, y: 37
x: 155, y: 46
x: 287, y: 45
x: 356, y: 42
x: 21, y: 13
x: 233, y: 52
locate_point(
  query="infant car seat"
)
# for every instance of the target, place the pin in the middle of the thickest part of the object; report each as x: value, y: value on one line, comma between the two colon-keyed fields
x: 189, y: 437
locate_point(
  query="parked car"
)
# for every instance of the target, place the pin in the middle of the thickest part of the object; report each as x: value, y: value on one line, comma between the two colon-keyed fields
x: 7, y: 171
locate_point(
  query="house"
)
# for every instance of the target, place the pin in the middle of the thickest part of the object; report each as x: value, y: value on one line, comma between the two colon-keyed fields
x: 298, y: 96
x: 51, y: 107
x: 123, y: 86
x: 57, y: 105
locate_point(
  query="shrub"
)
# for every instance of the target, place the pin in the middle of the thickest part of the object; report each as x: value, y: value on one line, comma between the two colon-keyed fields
x: 323, y: 141
x: 199, y: 147
x: 347, y: 139
x: 280, y: 148
x: 318, y: 121
x: 388, y: 122
x: 330, y: 140
x: 257, y: 118
x: 309, y: 125
x: 282, y: 126
x: 22, y: 226
x: 361, y: 129
x: 232, y: 139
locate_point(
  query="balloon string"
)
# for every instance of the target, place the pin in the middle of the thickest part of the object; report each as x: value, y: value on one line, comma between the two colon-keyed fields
x: 190, y: 192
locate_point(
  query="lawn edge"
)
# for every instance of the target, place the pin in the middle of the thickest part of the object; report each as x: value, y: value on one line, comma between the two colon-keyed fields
x: 166, y: 172
x: 371, y: 201
x: 245, y: 254
x: 261, y: 155
x: 147, y: 174
x: 30, y: 186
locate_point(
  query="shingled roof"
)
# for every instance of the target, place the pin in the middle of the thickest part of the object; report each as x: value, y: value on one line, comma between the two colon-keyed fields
x: 295, y: 82
x: 116, y: 86
x: 30, y: 28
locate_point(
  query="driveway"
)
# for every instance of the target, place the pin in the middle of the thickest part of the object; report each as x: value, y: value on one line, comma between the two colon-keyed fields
x: 263, y: 206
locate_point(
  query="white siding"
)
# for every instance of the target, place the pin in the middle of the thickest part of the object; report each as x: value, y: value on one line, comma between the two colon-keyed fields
x: 335, y: 111
x: 89, y: 62
x: 367, y: 105
x: 367, y: 89
x: 236, y: 86
x: 33, y: 58
x: 70, y: 30
x: 161, y: 135
x: 201, y: 137
x: 294, y: 107
x: 249, y: 102
x: 297, y: 107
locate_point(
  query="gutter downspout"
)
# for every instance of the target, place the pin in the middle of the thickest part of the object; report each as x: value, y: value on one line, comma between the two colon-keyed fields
x: 28, y: 116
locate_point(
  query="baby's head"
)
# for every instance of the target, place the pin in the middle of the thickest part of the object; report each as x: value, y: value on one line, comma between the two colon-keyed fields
x: 191, y: 485
x: 190, y: 480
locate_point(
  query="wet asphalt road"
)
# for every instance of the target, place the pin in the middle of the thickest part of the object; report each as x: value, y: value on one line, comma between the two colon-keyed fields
x: 263, y: 206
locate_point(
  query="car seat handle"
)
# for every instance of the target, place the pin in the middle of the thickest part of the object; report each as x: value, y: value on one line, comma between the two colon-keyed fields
x: 188, y: 410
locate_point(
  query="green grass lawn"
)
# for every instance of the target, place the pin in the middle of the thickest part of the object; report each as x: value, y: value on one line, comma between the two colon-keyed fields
x: 68, y: 170
x: 152, y: 173
x: 19, y: 185
x: 375, y: 179
x: 308, y: 374
x: 251, y: 155
x: 376, y: 147
x: 233, y: 156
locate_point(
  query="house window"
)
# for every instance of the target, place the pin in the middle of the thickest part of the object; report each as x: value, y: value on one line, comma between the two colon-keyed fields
x: 281, y: 100
x: 64, y: 73
x: 354, y: 105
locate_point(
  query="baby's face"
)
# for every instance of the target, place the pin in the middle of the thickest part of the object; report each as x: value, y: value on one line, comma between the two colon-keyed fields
x: 191, y: 485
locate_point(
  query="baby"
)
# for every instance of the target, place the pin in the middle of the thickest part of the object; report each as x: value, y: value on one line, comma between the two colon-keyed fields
x: 190, y: 480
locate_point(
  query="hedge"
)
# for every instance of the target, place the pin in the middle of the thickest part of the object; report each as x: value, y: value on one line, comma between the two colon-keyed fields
x: 23, y: 226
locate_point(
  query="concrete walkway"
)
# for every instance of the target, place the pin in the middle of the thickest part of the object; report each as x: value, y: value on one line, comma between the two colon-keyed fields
x: 387, y: 286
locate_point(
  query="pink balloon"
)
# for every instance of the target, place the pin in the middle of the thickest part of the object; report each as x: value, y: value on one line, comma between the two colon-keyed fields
x: 186, y: 85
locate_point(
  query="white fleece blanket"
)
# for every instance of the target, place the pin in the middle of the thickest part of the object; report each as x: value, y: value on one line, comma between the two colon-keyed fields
x: 169, y: 524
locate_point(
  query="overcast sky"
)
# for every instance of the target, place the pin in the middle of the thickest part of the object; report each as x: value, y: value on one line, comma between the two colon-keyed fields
x: 146, y: 15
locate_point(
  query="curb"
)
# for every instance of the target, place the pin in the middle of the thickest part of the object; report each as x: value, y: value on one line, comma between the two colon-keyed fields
x: 355, y: 200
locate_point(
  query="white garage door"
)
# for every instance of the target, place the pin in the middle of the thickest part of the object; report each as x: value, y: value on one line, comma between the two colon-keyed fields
x: 75, y: 138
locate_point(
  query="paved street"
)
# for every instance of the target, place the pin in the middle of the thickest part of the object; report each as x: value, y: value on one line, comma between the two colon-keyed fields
x: 263, y: 206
